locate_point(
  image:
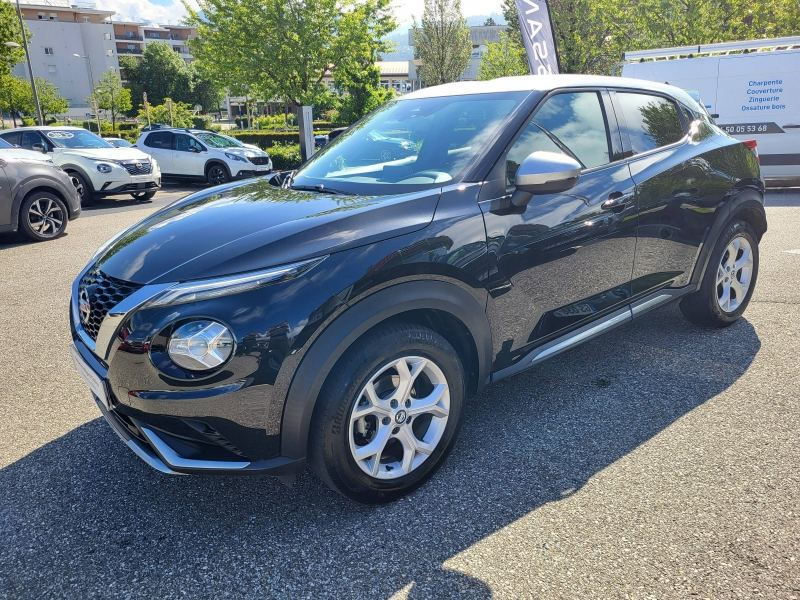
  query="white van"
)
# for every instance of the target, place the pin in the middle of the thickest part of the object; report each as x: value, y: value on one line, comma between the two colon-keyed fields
x: 751, y: 88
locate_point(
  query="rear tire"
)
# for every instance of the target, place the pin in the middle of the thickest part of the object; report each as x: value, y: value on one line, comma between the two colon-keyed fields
x: 377, y: 447
x: 729, y: 281
x: 42, y: 216
x: 83, y: 188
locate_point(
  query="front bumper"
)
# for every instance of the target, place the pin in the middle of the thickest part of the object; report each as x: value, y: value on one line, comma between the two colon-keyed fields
x: 156, y: 447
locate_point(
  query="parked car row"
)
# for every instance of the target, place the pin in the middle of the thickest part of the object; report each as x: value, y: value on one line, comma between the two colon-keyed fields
x: 94, y: 167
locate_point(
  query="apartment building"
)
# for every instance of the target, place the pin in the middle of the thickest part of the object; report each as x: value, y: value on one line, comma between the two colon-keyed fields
x: 59, y: 31
x: 132, y: 37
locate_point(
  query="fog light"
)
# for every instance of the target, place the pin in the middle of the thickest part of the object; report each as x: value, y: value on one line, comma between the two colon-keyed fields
x: 104, y: 168
x: 200, y: 345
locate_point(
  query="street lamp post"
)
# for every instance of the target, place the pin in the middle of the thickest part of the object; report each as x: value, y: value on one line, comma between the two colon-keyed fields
x: 89, y: 66
x: 30, y: 67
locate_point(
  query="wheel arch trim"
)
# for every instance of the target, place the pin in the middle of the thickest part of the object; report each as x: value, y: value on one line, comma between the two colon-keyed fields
x: 26, y: 188
x: 356, y: 320
x: 747, y: 201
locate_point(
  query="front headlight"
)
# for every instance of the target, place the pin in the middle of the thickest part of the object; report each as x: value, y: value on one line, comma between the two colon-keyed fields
x: 197, y: 291
x: 236, y: 157
x: 200, y: 345
x: 104, y: 168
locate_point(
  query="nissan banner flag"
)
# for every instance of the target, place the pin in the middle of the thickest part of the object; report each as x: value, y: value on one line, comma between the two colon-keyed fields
x: 537, y: 33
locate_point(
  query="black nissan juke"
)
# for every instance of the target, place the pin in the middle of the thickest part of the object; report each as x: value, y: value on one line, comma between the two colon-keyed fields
x: 339, y: 315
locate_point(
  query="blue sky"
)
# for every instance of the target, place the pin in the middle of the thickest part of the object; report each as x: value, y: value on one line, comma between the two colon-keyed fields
x: 172, y: 11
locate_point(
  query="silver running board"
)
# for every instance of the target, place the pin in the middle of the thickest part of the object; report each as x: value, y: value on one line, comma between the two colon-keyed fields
x: 594, y: 329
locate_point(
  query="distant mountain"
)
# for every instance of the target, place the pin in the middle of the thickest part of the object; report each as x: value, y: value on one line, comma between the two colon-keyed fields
x: 400, y: 36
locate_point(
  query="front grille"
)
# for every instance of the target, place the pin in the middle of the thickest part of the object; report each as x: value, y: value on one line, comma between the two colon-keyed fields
x: 137, y: 167
x: 258, y: 160
x: 97, y: 294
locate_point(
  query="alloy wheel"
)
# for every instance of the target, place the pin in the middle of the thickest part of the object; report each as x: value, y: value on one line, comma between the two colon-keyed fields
x: 217, y: 175
x: 734, y: 274
x: 46, y: 217
x: 78, y: 186
x: 399, y: 417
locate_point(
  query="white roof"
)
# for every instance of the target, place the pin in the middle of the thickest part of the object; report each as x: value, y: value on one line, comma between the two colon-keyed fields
x: 529, y: 83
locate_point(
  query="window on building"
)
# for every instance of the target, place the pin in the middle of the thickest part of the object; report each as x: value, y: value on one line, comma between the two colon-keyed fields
x: 54, y: 16
x: 153, y: 34
x: 128, y: 34
x: 43, y: 16
x: 88, y: 20
x: 48, y: 51
x: 652, y: 121
x: 106, y: 36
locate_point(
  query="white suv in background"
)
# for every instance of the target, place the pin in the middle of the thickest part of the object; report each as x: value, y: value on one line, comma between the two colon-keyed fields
x: 202, y: 155
x: 97, y: 168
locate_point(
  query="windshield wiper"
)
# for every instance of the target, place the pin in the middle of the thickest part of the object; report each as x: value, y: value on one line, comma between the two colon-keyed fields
x: 321, y: 189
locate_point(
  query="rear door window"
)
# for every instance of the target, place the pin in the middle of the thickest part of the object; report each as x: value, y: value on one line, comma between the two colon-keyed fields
x: 12, y: 138
x: 652, y: 121
x: 161, y: 140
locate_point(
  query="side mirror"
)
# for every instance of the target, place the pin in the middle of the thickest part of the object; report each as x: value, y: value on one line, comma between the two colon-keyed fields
x: 39, y: 148
x: 194, y: 149
x: 544, y: 173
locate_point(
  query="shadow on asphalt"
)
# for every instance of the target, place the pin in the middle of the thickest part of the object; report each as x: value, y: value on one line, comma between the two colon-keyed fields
x: 83, y: 516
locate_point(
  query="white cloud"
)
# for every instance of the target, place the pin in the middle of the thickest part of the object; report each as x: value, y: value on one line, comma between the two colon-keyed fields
x: 165, y: 12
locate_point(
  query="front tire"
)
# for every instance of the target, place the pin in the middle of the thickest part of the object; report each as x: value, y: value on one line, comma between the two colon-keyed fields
x: 729, y: 281
x: 143, y: 196
x: 42, y: 216
x: 83, y: 188
x: 388, y: 415
x: 217, y: 174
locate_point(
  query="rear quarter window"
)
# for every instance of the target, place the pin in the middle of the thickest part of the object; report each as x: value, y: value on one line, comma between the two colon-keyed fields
x: 652, y: 121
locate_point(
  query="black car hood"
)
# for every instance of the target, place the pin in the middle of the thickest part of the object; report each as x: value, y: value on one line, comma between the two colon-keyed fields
x: 255, y: 226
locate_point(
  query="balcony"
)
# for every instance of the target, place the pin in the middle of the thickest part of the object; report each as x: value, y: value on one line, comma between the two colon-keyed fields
x: 129, y: 50
x: 125, y: 36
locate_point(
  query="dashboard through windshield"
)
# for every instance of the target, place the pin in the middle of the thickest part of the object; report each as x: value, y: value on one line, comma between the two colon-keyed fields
x: 412, y: 144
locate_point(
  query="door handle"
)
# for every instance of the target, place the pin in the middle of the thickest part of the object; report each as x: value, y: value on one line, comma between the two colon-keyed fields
x: 616, y: 201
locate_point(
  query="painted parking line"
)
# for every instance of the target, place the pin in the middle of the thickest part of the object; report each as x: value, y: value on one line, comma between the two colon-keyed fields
x: 797, y: 251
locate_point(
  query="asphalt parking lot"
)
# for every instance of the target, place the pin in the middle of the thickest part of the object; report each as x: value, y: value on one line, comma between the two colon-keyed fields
x: 659, y: 461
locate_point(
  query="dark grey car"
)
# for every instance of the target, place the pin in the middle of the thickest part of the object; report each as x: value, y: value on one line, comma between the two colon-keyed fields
x: 36, y: 197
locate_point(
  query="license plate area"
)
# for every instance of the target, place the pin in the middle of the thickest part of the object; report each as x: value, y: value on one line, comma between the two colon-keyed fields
x: 95, y: 383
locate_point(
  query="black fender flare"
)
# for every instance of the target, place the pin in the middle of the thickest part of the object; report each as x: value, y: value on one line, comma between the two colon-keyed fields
x: 749, y: 201
x: 31, y: 184
x: 82, y: 171
x: 356, y: 320
x: 216, y: 161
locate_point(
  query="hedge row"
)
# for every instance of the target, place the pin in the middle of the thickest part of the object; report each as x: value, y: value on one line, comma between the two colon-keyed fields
x: 266, y: 139
x: 285, y: 157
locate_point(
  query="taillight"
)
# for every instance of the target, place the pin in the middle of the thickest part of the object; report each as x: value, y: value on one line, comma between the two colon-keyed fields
x: 753, y: 145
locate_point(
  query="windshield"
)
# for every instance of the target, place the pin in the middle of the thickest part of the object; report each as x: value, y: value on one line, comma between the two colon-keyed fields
x: 218, y: 141
x: 5, y: 145
x: 75, y: 138
x: 412, y: 144
x: 120, y: 143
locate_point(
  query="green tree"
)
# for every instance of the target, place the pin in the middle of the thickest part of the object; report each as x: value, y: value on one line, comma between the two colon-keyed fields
x: 182, y: 116
x: 16, y: 97
x: 503, y: 59
x: 363, y: 93
x: 282, y: 49
x: 9, y: 32
x: 489, y: 22
x: 512, y: 22
x: 205, y: 90
x: 442, y: 42
x: 112, y: 97
x: 50, y: 101
x: 161, y: 73
x: 689, y: 22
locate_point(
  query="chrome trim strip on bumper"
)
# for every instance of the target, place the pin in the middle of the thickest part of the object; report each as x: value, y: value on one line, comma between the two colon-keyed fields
x: 138, y: 448
x: 175, y: 460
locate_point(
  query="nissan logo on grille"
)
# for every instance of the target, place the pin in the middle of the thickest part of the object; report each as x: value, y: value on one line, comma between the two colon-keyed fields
x: 84, y: 306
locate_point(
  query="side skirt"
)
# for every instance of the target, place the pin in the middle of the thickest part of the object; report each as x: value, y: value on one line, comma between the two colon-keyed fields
x: 592, y: 330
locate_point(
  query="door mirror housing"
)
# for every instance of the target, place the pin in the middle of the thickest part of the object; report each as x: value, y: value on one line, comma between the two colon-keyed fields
x: 39, y: 148
x: 544, y: 173
x: 194, y: 149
